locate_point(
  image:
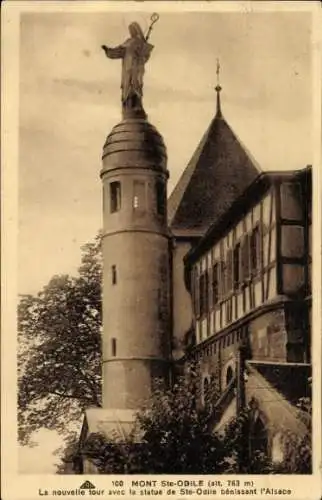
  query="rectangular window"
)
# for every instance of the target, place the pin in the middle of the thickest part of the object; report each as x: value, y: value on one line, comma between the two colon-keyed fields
x: 204, y: 297
x: 113, y: 346
x: 291, y: 201
x: 161, y: 197
x: 115, y: 196
x: 236, y: 258
x: 229, y: 311
x: 215, y: 284
x: 139, y: 202
x: 255, y: 250
x: 114, y: 275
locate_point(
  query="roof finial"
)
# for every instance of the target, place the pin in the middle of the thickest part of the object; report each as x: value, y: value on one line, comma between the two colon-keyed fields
x: 218, y: 89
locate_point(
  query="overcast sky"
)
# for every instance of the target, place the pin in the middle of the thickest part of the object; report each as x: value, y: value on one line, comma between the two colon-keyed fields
x: 70, y: 100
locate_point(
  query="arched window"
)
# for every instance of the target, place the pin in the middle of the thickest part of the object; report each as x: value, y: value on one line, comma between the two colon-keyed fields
x: 229, y: 375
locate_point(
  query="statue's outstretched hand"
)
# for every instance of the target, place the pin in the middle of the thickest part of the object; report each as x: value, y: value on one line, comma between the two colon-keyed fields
x: 104, y: 47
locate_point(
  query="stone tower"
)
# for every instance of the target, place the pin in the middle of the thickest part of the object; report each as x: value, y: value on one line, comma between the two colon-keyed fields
x: 136, y: 330
x: 136, y: 255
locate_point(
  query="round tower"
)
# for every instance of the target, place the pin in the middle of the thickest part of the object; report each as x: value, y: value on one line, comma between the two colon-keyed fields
x: 136, y: 329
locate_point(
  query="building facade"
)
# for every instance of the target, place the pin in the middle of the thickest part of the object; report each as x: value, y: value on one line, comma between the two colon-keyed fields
x: 250, y: 274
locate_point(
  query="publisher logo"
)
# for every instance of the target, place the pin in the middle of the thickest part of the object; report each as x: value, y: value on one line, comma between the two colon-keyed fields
x: 87, y: 486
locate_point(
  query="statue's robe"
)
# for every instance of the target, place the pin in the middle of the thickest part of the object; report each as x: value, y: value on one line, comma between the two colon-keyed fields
x: 135, y: 52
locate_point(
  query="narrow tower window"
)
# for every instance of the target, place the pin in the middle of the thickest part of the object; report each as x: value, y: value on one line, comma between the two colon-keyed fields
x: 115, y: 196
x: 139, y: 195
x: 113, y: 346
x: 114, y: 275
x: 160, y: 192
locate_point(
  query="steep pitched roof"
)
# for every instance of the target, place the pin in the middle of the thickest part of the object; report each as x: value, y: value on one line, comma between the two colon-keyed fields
x: 218, y: 172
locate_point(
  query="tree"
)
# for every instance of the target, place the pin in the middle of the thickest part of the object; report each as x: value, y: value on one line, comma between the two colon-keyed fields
x: 69, y: 456
x: 59, y: 362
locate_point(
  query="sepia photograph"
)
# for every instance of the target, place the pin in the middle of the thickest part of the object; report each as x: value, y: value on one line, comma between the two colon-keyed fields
x: 167, y: 315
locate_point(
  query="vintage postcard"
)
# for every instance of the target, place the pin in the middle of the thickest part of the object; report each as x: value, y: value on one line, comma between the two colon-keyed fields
x: 161, y: 250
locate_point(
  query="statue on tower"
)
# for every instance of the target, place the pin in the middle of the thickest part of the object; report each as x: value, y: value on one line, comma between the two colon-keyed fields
x: 134, y: 52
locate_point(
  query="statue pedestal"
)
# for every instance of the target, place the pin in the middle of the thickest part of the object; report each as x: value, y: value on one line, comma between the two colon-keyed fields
x: 131, y: 113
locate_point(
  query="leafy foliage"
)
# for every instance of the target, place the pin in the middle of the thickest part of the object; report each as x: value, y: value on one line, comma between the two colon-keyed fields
x: 69, y: 457
x: 171, y: 435
x: 59, y: 358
